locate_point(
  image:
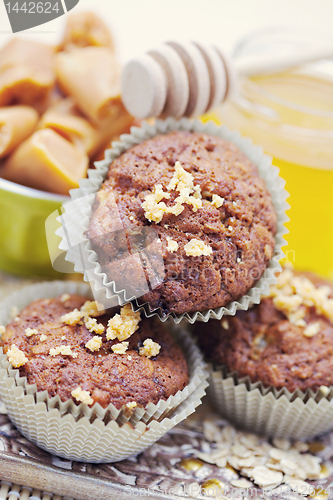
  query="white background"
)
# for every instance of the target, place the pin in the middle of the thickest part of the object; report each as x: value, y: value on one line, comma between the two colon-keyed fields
x: 142, y: 24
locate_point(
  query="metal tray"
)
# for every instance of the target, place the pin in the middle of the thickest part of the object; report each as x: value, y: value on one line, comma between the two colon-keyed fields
x: 157, y: 473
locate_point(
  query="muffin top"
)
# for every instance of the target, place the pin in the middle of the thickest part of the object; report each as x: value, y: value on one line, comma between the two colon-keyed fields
x: 285, y: 341
x: 68, y: 348
x: 205, y: 220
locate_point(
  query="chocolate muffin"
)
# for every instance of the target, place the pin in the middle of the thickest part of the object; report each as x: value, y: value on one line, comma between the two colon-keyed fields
x: 184, y: 222
x: 69, y: 348
x: 285, y: 341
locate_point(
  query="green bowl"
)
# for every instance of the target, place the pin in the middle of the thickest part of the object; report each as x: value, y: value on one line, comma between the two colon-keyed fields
x: 23, y: 245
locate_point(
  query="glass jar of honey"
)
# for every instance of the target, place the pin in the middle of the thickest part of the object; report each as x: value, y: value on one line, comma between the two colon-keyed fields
x: 290, y: 114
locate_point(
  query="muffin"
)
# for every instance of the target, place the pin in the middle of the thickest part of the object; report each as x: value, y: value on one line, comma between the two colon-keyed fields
x: 286, y: 341
x: 69, y: 348
x: 200, y: 204
x: 271, y: 366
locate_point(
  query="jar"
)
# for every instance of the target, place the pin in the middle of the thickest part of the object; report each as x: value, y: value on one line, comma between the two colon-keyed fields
x: 290, y: 114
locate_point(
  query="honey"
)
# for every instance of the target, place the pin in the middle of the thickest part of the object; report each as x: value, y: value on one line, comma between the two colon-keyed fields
x: 291, y: 116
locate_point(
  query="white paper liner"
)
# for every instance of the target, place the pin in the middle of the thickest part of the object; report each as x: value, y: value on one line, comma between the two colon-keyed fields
x: 75, y: 220
x: 93, y: 434
x: 268, y: 411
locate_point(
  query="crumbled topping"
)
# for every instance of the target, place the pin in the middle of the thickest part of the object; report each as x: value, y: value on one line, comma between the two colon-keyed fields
x: 94, y: 327
x: 65, y: 297
x: 294, y: 294
x: 63, y: 337
x: 120, y: 348
x: 183, y: 182
x: 16, y: 357
x: 34, y: 314
x: 131, y: 405
x: 268, y: 252
x: 17, y: 319
x: 72, y: 318
x: 42, y: 338
x: 2, y: 330
x: 217, y: 201
x: 94, y: 344
x: 31, y: 331
x: 225, y: 324
x: 65, y: 350
x: 172, y: 245
x: 238, y: 260
x: 129, y: 358
x: 312, y: 329
x: 92, y: 308
x: 123, y: 325
x: 195, y: 248
x: 150, y: 348
x: 254, y: 457
x: 82, y: 396
x: 131, y: 217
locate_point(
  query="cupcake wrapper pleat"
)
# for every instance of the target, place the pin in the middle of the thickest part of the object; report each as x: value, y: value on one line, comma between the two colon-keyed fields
x: 75, y: 219
x: 267, y: 411
x: 92, y: 434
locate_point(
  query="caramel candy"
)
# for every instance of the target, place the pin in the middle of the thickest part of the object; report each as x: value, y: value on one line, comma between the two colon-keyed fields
x: 26, y: 73
x: 65, y: 119
x: 86, y: 29
x: 48, y: 162
x: 16, y: 124
x: 92, y: 77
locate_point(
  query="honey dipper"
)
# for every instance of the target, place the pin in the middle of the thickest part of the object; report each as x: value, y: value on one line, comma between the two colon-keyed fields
x: 190, y: 78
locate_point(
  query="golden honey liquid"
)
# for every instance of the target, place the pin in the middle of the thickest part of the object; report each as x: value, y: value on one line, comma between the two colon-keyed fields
x: 310, y: 238
x: 307, y: 167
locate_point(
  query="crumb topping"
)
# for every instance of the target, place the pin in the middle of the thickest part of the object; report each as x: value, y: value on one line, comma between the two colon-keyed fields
x: 131, y: 405
x: 196, y: 248
x: 294, y: 294
x: 123, y: 325
x: 312, y: 329
x: 150, y: 348
x: 172, y: 245
x: 94, y: 344
x: 217, y: 201
x: 16, y: 357
x: 65, y: 297
x: 72, y: 318
x: 182, y: 182
x: 82, y: 396
x: 120, y: 348
x: 2, y: 330
x: 94, y: 327
x: 92, y: 308
x: 42, y: 338
x: 225, y: 324
x: 31, y: 331
x: 65, y: 350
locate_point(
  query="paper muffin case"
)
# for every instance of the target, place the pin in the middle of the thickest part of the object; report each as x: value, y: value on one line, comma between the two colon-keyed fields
x: 268, y: 411
x: 75, y: 219
x: 92, y: 434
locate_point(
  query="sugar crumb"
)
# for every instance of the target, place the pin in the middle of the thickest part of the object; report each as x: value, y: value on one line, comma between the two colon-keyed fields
x: 31, y: 331
x: 92, y: 308
x: 63, y: 337
x: 217, y: 201
x: 172, y: 245
x: 94, y: 344
x: 72, y: 318
x: 120, y: 348
x: 82, y: 396
x: 196, y: 248
x: 17, y: 319
x: 149, y: 349
x: 225, y: 324
x: 131, y: 405
x: 42, y: 338
x: 65, y: 297
x: 16, y: 357
x: 94, y: 327
x: 123, y: 325
x: 65, y: 350
x: 312, y: 329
